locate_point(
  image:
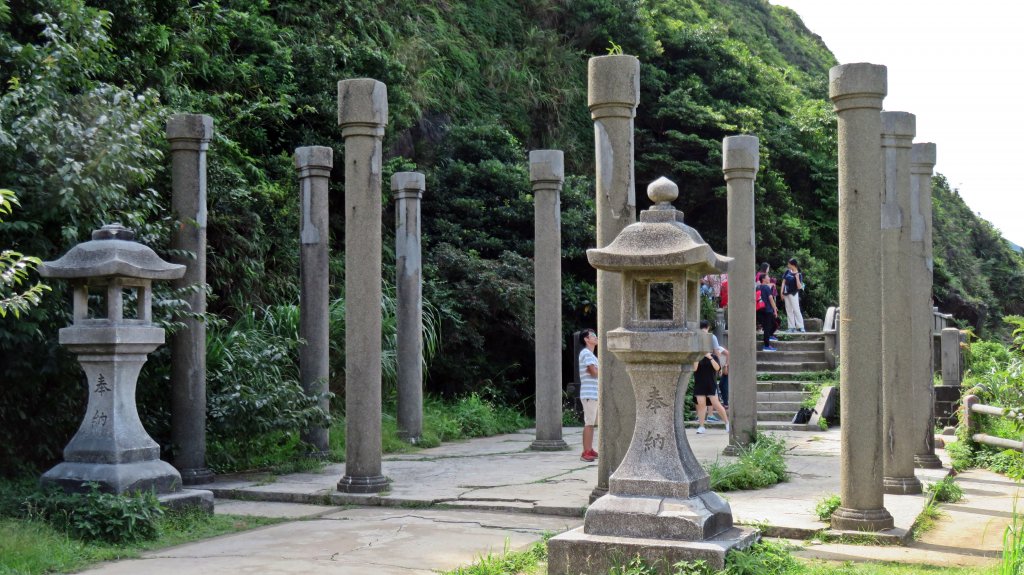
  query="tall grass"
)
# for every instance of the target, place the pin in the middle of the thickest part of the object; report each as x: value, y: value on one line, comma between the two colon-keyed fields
x: 1013, y: 546
x: 760, y: 464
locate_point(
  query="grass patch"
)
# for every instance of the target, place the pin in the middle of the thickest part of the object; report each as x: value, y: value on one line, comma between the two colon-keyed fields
x: 31, y: 546
x: 760, y: 464
x: 946, y: 491
x: 825, y: 375
x: 529, y: 562
x: 467, y: 417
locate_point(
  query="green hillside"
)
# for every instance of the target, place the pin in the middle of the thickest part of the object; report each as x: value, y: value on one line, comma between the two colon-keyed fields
x: 472, y: 86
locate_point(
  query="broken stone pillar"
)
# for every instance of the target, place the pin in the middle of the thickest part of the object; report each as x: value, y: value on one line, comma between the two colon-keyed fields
x: 362, y: 115
x: 740, y: 162
x: 898, y: 129
x: 951, y: 372
x: 659, y: 504
x: 922, y: 162
x: 408, y: 189
x: 857, y: 91
x: 547, y: 173
x: 111, y: 447
x: 613, y: 93
x: 314, y: 164
x: 189, y: 136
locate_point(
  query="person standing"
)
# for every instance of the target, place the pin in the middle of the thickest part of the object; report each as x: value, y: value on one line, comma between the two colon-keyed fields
x: 704, y: 390
x: 766, y: 312
x: 792, y: 283
x: 588, y: 392
x: 722, y: 357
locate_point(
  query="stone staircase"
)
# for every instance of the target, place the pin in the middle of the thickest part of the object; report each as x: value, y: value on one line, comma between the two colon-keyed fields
x: 778, y: 400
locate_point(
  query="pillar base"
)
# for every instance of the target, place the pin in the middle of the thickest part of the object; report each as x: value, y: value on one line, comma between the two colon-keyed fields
x: 696, y: 518
x: 549, y: 445
x: 372, y: 484
x: 846, y: 519
x: 578, y: 553
x: 118, y: 478
x: 598, y: 493
x: 196, y: 476
x: 901, y: 485
x: 927, y: 461
x: 731, y: 449
x: 410, y: 438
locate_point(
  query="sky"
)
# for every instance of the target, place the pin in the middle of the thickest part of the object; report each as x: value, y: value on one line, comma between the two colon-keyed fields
x: 958, y: 66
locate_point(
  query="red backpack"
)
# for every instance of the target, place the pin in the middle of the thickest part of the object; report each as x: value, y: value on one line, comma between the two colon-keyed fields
x: 758, y: 302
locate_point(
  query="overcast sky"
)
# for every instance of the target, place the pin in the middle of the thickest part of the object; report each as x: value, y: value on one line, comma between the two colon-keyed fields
x: 958, y: 65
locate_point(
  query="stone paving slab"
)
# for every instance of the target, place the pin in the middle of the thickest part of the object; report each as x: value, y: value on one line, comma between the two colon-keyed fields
x: 500, y: 473
x: 352, y: 542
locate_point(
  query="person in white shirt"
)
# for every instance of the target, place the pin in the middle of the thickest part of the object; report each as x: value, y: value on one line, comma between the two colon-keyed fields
x: 588, y: 391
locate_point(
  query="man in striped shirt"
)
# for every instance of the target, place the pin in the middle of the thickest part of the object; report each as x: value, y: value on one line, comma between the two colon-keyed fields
x: 588, y: 392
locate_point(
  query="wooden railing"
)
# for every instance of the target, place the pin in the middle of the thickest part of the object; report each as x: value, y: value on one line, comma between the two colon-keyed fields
x: 972, y: 404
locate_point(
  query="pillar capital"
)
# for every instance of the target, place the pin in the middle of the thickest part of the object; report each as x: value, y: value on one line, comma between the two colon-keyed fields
x: 860, y: 85
x: 740, y: 157
x: 362, y: 107
x: 898, y: 129
x: 922, y: 158
x: 613, y: 86
x: 189, y: 131
x: 314, y: 161
x: 547, y: 166
x: 408, y: 185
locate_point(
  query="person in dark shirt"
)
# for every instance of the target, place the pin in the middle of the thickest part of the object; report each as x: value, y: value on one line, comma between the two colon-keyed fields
x: 792, y: 283
x: 769, y: 312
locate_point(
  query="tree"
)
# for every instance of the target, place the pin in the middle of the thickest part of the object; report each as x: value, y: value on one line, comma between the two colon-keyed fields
x: 14, y: 271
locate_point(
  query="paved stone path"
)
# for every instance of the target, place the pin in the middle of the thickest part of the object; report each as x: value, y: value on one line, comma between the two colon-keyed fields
x: 451, y: 504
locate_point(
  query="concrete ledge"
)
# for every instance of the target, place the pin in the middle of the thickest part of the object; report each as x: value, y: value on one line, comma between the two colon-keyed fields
x: 186, y: 498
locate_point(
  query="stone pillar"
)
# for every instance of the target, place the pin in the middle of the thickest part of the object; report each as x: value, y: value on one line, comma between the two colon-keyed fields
x: 922, y: 162
x: 857, y: 91
x: 408, y: 190
x: 362, y: 115
x: 898, y: 129
x: 547, y: 173
x: 313, y: 164
x: 613, y: 93
x: 719, y: 331
x: 189, y: 136
x: 740, y: 161
x: 951, y: 356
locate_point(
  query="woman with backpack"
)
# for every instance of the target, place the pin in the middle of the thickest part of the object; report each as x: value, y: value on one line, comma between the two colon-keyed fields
x: 792, y: 283
x: 767, y: 311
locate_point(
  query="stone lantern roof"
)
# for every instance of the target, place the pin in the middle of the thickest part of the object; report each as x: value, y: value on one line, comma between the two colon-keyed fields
x: 111, y: 252
x: 660, y: 240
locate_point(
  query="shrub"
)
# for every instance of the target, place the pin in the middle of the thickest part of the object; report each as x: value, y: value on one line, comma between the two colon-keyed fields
x: 97, y: 516
x: 826, y: 506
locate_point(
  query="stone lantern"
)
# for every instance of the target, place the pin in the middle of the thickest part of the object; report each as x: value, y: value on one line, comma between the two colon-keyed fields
x: 659, y: 504
x: 112, y: 341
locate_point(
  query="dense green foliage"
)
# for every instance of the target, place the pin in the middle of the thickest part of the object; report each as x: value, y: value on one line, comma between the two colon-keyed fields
x: 996, y: 376
x: 88, y: 84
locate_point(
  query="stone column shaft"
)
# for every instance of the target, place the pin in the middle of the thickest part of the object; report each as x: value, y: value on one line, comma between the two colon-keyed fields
x: 362, y: 115
x: 189, y: 136
x: 613, y: 93
x: 740, y: 162
x: 898, y: 129
x: 857, y: 91
x: 408, y: 189
x: 922, y: 162
x: 951, y: 356
x: 547, y: 173
x: 313, y: 164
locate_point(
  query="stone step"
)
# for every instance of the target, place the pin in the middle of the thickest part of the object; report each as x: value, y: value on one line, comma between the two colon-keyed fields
x: 794, y: 345
x: 769, y: 396
x: 791, y: 356
x: 786, y: 416
x: 770, y: 426
x: 797, y: 336
x: 782, y: 385
x: 788, y: 406
x: 790, y: 366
